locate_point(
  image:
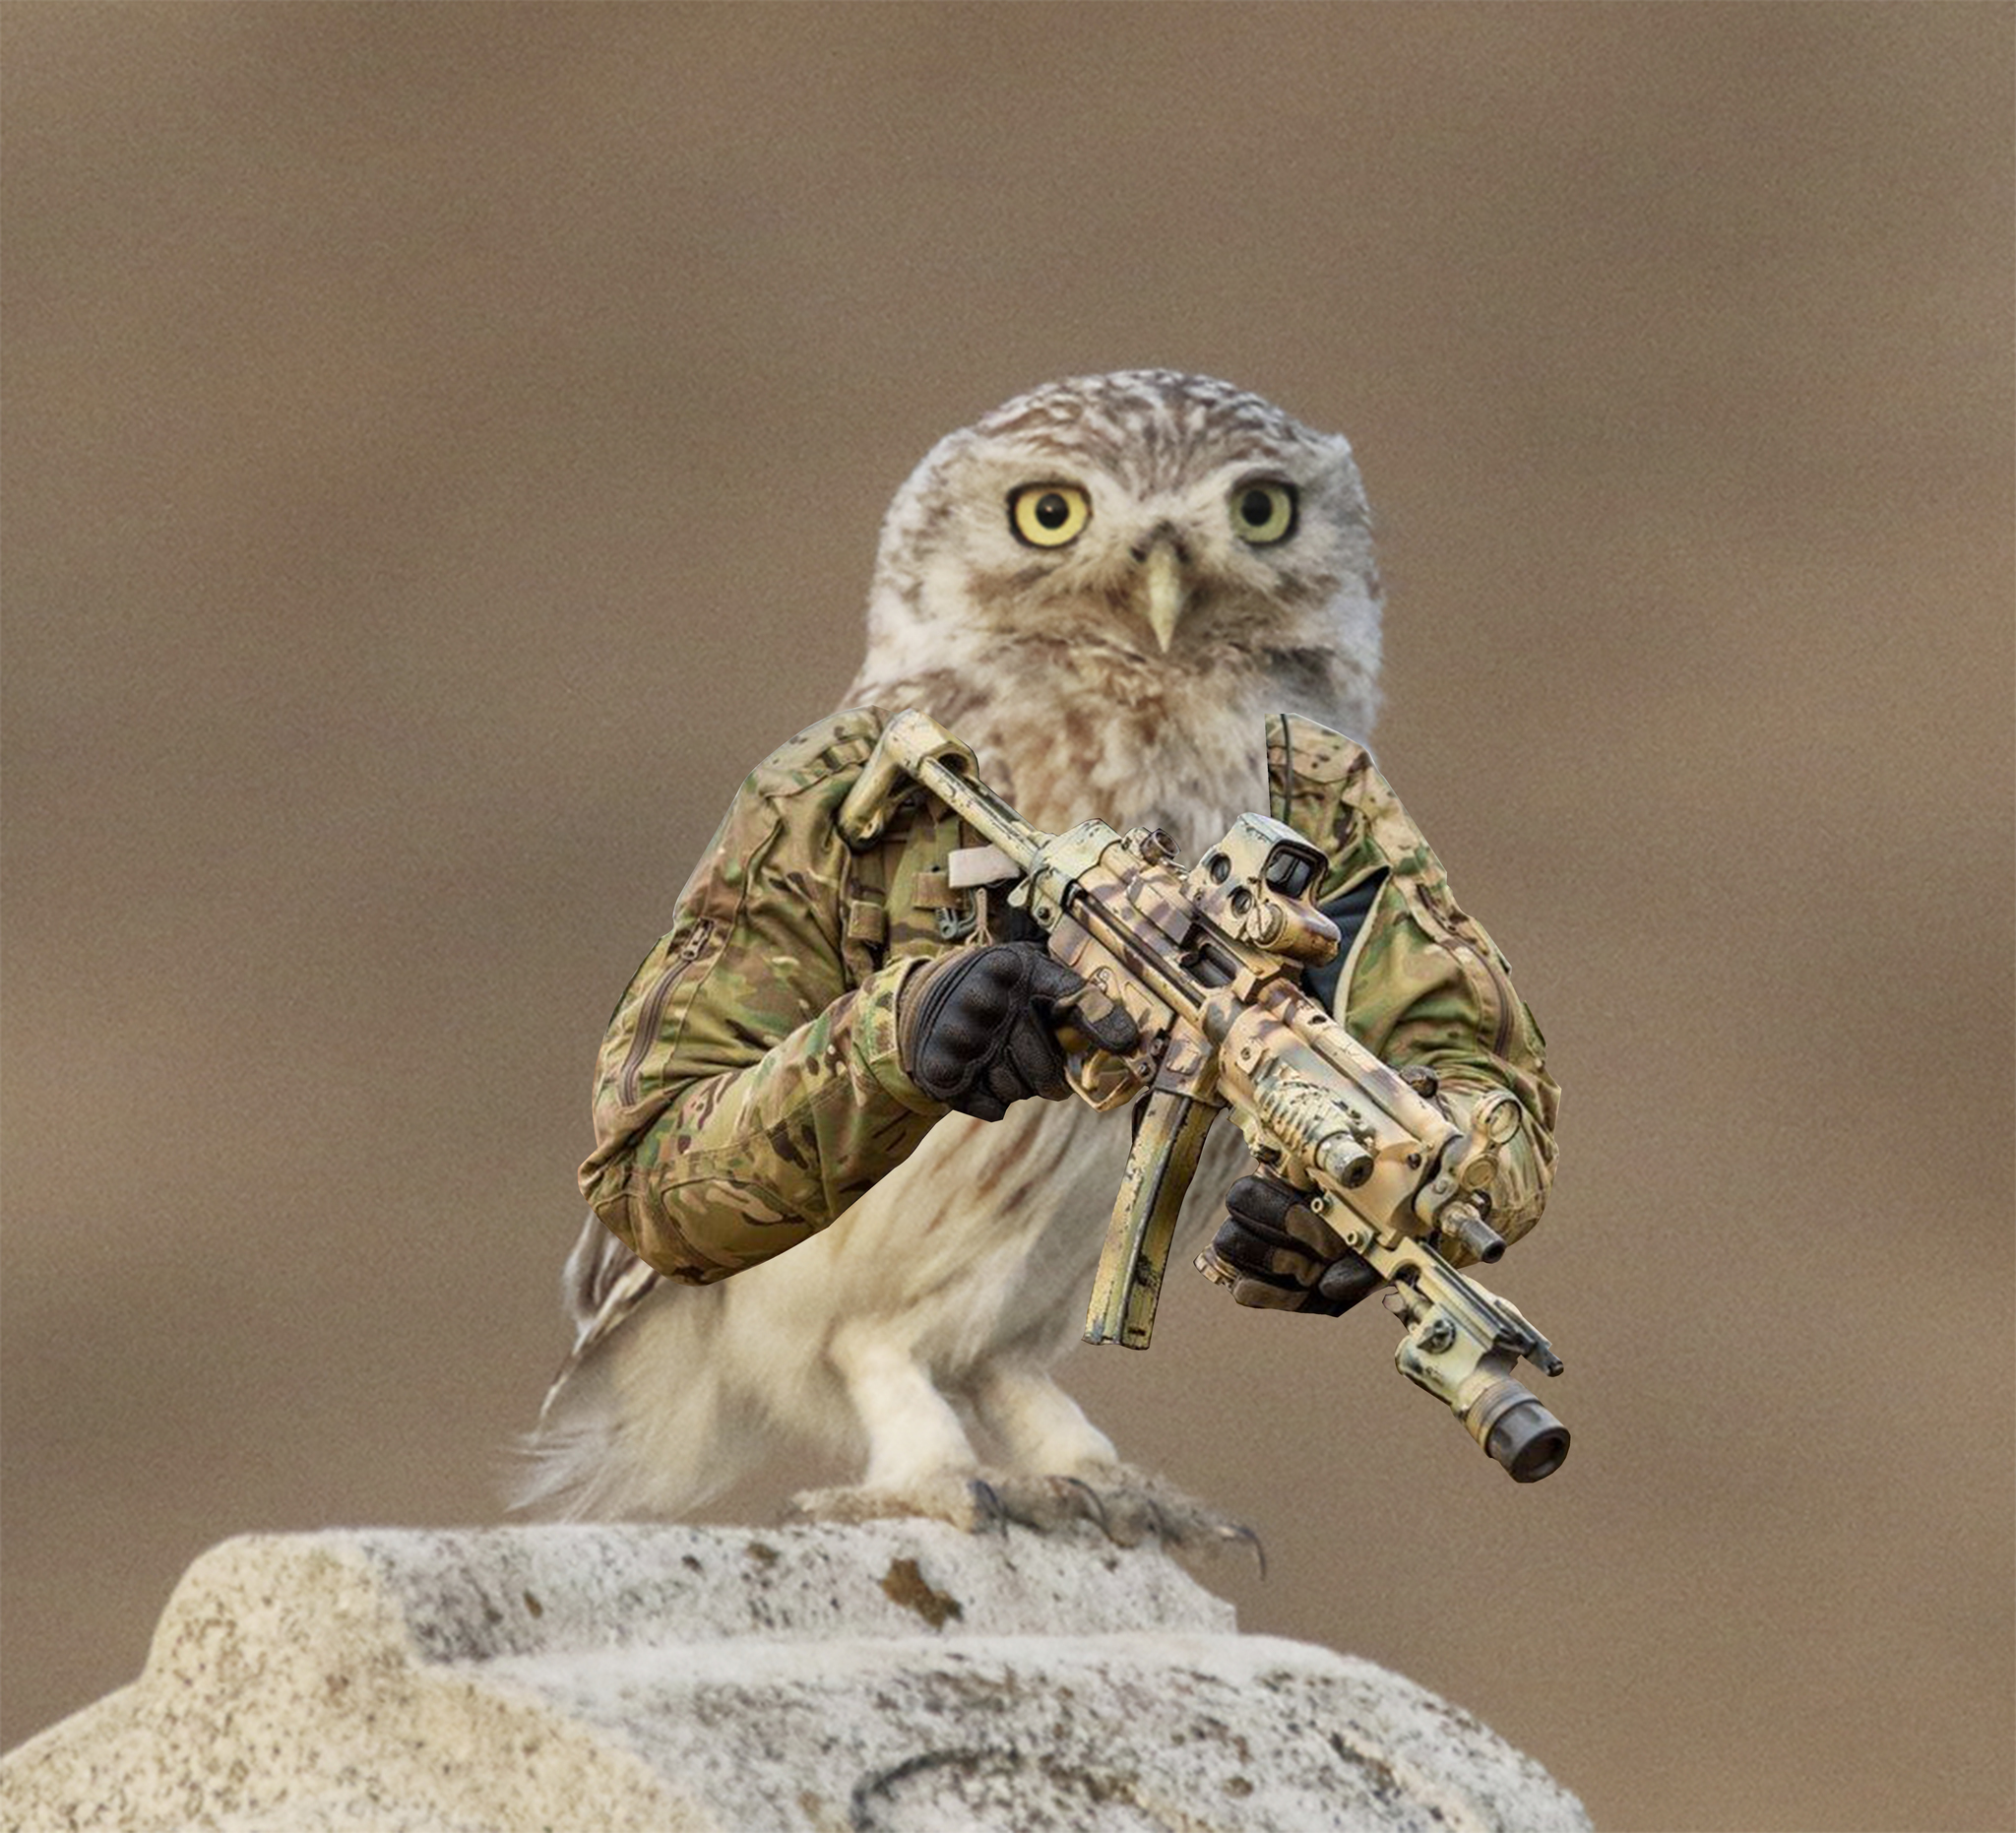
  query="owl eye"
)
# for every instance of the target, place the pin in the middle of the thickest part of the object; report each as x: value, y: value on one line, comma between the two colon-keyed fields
x: 1048, y: 515
x: 1264, y: 511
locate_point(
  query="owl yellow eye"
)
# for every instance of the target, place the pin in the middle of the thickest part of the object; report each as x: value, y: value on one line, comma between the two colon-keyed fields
x: 1048, y: 515
x: 1264, y: 511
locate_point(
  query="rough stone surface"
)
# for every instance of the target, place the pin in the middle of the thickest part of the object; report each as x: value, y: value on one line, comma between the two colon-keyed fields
x: 893, y: 1677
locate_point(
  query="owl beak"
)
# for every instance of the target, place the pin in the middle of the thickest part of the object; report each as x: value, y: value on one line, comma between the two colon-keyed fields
x: 1163, y: 592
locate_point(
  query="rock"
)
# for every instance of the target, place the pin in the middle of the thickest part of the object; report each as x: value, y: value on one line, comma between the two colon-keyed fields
x: 897, y: 1676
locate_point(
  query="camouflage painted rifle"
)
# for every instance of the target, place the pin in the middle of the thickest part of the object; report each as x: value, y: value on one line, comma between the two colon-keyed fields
x: 1205, y: 963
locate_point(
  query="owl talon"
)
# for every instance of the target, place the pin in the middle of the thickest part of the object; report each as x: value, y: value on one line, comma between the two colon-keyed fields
x: 990, y: 1513
x: 1233, y: 1532
x: 1093, y: 1509
x: 1132, y: 1516
x: 1050, y: 1504
x: 1133, y: 1506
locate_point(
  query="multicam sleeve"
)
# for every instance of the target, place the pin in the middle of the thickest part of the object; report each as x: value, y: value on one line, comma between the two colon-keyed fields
x: 749, y: 1089
x: 1422, y: 984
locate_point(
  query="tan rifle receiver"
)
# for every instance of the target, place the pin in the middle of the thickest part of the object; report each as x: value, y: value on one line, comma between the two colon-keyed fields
x: 1206, y: 960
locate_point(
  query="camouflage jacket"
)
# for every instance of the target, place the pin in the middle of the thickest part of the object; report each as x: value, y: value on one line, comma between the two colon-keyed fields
x: 748, y: 1089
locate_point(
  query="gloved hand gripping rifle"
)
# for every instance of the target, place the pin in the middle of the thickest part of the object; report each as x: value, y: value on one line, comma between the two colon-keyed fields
x: 1204, y: 962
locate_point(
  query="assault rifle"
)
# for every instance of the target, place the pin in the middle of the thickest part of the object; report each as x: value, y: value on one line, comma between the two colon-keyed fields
x: 1205, y: 962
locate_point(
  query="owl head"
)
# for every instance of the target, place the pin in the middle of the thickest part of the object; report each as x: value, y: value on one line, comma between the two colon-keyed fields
x: 1145, y: 525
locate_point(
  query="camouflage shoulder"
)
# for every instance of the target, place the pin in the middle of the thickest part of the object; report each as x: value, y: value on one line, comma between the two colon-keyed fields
x: 834, y: 748
x: 1316, y: 780
x: 1300, y: 750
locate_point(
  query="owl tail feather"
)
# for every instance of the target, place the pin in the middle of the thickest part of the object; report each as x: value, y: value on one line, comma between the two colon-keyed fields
x: 639, y: 1423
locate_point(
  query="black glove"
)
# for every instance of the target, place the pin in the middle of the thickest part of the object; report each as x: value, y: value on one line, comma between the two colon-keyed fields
x: 1287, y: 1257
x: 978, y: 1029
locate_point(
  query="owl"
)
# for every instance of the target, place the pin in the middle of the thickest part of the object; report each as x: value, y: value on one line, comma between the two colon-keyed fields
x: 1105, y: 588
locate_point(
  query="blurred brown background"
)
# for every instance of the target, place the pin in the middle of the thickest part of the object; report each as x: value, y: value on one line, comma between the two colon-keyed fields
x: 444, y: 447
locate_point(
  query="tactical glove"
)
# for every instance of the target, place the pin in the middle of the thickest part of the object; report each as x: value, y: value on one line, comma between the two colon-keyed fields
x: 1288, y: 1258
x: 978, y: 1029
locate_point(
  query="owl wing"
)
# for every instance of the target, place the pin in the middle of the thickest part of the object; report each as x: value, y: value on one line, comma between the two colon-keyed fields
x: 602, y: 1282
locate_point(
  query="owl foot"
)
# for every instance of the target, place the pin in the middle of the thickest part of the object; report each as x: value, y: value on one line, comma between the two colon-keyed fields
x: 1132, y: 1507
x: 969, y: 1504
x: 1126, y: 1506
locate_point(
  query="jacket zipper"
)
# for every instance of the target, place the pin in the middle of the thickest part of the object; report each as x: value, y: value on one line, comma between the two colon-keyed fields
x: 1505, y: 1011
x: 653, y: 1009
x: 1502, y: 988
